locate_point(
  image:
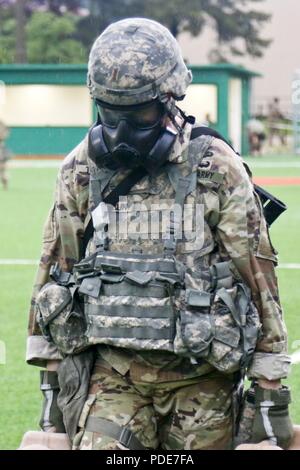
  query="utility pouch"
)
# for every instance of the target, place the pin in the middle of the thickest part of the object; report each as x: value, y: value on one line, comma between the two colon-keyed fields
x: 237, y: 329
x: 194, y: 327
x: 222, y: 328
x: 61, y: 317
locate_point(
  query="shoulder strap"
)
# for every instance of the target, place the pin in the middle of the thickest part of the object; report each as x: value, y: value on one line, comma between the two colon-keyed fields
x: 203, y: 130
x: 272, y: 206
x: 112, y: 198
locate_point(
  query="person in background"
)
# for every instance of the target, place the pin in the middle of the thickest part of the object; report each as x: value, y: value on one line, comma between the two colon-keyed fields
x: 208, y: 120
x: 4, y: 154
x: 275, y: 118
x: 256, y: 135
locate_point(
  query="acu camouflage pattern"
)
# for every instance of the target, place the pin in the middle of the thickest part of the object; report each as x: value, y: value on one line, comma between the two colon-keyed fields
x: 60, y: 316
x: 213, y: 332
x: 233, y: 217
x: 134, y: 61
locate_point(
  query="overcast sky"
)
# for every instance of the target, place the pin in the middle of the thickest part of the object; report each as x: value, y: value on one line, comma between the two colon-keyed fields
x: 281, y: 59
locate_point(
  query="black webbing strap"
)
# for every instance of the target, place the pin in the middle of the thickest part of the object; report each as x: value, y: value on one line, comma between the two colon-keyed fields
x: 203, y: 130
x: 112, y: 198
x: 127, y: 183
x: 121, y: 433
x: 272, y: 206
x: 136, y: 332
x: 180, y: 195
x: 136, y: 175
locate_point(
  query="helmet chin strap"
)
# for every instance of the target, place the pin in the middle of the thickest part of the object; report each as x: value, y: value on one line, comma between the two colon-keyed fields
x: 174, y: 112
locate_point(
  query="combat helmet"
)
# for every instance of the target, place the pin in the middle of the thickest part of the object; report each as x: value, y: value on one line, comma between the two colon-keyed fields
x: 135, y: 61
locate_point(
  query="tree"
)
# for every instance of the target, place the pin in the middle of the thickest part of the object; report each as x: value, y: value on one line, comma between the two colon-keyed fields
x: 237, y: 24
x: 20, y: 15
x: 50, y: 37
x: 104, y: 12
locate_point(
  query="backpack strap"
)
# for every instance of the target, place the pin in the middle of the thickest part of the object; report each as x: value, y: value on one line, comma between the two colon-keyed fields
x: 183, y: 178
x: 272, y: 206
x: 203, y: 130
x: 112, y: 198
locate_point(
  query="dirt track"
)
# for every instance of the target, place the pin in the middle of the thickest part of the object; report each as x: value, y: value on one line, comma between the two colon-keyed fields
x: 277, y: 181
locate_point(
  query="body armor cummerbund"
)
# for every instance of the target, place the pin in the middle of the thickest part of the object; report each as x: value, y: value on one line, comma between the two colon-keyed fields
x: 140, y: 302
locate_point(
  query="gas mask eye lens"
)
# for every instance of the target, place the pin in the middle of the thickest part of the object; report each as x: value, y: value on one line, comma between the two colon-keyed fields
x: 108, y: 117
x: 141, y: 117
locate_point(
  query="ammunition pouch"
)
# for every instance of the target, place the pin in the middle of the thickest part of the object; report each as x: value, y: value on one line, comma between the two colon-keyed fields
x: 222, y: 328
x: 141, y: 302
x: 61, y: 317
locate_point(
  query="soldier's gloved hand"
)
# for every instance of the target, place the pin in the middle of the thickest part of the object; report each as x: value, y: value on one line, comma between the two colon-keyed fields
x: 52, y: 418
x: 271, y: 416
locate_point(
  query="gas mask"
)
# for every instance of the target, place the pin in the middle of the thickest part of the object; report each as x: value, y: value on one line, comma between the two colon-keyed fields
x: 131, y: 136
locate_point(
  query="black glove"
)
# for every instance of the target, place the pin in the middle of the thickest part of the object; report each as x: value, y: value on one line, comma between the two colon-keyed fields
x: 265, y: 416
x: 272, y: 421
x: 51, y: 414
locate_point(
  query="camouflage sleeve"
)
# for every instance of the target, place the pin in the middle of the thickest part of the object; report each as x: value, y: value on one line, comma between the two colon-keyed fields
x: 62, y: 235
x: 243, y: 234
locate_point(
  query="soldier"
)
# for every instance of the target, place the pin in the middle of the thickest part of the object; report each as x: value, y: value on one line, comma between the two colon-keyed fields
x: 3, y: 154
x: 151, y: 337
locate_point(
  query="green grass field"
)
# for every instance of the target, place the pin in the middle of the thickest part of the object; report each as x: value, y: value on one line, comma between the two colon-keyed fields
x: 23, y: 210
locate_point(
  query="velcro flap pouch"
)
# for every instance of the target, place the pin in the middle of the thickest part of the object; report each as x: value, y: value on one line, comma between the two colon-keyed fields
x: 196, y: 323
x: 91, y: 286
x: 228, y: 336
x: 138, y: 277
x: 61, y: 318
x: 52, y: 300
x: 195, y: 298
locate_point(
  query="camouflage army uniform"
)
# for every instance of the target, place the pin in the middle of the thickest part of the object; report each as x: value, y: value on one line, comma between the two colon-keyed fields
x: 164, y: 399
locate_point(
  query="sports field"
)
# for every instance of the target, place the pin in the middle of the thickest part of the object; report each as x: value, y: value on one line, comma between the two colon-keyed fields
x: 23, y: 210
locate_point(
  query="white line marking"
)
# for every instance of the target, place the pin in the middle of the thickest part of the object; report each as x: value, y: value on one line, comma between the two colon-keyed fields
x: 295, y: 357
x: 34, y: 164
x: 273, y: 164
x: 19, y: 262
x: 32, y: 262
x: 289, y: 266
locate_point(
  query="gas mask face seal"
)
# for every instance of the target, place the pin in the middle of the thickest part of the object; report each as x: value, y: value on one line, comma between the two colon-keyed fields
x: 131, y: 136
